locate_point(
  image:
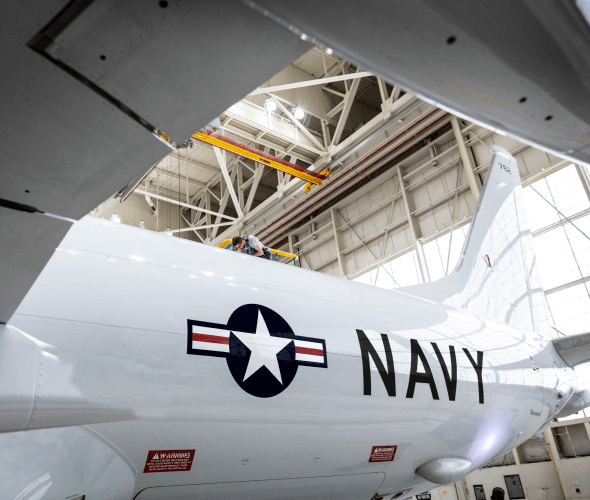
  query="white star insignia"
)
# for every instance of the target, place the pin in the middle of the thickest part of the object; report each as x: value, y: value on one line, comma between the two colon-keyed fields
x: 263, y: 349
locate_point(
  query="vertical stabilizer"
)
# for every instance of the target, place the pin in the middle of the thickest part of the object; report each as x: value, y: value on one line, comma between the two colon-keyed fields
x: 496, y: 276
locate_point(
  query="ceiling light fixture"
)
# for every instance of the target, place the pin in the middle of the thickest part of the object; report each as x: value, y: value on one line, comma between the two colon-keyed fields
x: 298, y: 113
x: 270, y: 105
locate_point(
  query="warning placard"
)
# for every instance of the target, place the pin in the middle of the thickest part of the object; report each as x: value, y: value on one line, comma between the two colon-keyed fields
x: 169, y: 460
x: 383, y: 453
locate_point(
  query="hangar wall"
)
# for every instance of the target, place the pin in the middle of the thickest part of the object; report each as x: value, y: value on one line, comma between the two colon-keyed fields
x: 136, y: 209
x: 436, y: 196
x: 555, y: 468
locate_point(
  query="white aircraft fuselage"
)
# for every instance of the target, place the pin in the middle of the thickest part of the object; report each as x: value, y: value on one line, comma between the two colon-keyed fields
x: 281, y: 380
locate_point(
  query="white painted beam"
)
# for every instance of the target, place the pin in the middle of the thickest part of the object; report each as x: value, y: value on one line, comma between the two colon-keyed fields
x: 221, y: 158
x: 184, y: 229
x: 198, y: 164
x: 223, y: 204
x: 348, y: 101
x: 277, y: 147
x: 341, y: 263
x: 194, y: 230
x: 473, y: 184
x: 176, y: 176
x: 176, y: 202
x: 382, y: 89
x: 255, y: 182
x: 311, y: 83
x: 298, y: 124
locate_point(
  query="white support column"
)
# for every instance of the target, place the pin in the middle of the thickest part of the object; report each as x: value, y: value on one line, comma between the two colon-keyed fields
x: 201, y: 204
x: 336, y: 109
x: 584, y: 178
x: 223, y: 204
x: 382, y: 89
x: 184, y: 229
x: 341, y: 262
x: 207, y: 197
x: 514, y: 452
x: 298, y: 124
x: 193, y: 228
x: 257, y: 177
x: 221, y: 158
x: 326, y: 133
x: 422, y: 261
x: 256, y: 181
x: 473, y: 184
x: 176, y: 202
x: 240, y: 185
x: 187, y: 183
x: 414, y: 227
x: 554, y: 453
x: 348, y: 101
x: 311, y: 83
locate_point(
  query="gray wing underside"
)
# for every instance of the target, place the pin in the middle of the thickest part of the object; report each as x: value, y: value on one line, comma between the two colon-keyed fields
x: 66, y: 147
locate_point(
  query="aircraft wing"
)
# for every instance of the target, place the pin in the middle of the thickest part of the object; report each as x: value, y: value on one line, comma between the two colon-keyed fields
x: 518, y: 66
x: 84, y: 84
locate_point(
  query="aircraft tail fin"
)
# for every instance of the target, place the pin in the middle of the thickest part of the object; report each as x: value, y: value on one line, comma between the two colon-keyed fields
x: 496, y: 276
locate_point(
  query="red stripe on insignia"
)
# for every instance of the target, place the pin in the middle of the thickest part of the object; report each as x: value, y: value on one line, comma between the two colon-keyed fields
x: 214, y: 339
x: 307, y: 350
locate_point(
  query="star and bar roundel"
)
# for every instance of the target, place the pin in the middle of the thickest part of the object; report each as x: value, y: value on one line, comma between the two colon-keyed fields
x: 262, y: 351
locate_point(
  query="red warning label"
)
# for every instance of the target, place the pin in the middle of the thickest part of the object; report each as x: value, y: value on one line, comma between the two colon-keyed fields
x: 169, y: 460
x: 383, y: 453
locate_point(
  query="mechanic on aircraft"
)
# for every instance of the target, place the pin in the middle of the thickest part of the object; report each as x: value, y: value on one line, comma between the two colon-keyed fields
x: 250, y: 245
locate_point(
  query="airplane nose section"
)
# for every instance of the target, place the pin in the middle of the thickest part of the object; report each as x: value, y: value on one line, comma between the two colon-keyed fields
x: 444, y: 470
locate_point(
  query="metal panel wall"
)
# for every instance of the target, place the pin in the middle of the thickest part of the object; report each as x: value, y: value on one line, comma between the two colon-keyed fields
x: 372, y: 223
x: 135, y: 209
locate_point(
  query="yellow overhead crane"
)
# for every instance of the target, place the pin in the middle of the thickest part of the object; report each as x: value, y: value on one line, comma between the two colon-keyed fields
x: 259, y: 156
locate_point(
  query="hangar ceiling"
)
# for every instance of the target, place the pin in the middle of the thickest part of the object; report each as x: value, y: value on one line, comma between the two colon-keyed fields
x: 402, y: 171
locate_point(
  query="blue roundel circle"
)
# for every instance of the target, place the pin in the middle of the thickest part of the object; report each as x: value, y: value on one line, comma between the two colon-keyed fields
x: 262, y: 365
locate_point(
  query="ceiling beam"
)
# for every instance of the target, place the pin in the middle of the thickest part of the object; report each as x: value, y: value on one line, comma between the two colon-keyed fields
x: 311, y: 83
x: 298, y: 124
x: 264, y: 142
x: 348, y: 101
x: 176, y: 202
x: 198, y: 164
x: 176, y: 176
